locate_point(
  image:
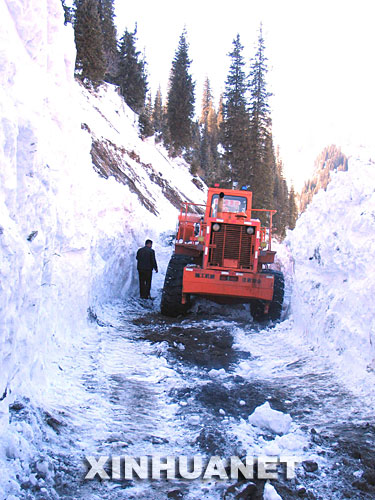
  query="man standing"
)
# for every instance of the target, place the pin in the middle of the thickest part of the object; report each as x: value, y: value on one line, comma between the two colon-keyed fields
x: 146, y: 262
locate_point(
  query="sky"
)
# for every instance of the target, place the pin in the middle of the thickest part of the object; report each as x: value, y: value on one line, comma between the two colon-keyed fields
x: 320, y: 58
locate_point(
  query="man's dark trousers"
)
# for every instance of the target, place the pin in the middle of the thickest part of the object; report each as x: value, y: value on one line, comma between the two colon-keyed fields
x: 145, y: 277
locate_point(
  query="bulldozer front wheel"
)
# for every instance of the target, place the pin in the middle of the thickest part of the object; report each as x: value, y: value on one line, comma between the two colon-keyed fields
x: 171, y: 299
x: 276, y: 305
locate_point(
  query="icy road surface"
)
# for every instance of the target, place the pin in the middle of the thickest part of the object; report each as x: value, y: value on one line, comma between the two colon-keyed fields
x: 142, y: 384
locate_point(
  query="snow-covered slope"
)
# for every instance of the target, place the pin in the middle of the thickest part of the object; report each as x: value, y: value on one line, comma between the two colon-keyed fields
x: 334, y: 285
x: 68, y: 228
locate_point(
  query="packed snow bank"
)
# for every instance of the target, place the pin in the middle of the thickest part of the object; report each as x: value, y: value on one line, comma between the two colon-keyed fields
x: 334, y: 284
x: 68, y: 229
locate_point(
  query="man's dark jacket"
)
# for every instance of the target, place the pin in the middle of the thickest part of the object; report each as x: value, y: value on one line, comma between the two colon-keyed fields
x: 146, y: 260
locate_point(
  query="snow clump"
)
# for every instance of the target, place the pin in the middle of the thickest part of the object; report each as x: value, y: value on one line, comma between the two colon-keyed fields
x: 267, y: 418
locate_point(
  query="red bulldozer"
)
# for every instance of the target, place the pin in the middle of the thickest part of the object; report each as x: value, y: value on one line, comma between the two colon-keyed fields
x: 224, y: 256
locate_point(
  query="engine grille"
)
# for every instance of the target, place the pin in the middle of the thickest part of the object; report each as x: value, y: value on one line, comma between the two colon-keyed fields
x: 233, y: 247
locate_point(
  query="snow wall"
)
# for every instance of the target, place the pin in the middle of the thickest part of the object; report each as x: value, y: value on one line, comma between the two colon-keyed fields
x: 334, y: 282
x: 68, y: 229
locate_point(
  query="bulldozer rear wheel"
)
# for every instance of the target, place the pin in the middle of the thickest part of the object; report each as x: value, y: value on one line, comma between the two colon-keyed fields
x: 172, y: 290
x: 276, y: 305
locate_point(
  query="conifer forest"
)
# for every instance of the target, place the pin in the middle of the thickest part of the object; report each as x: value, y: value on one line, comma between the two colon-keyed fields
x: 230, y: 144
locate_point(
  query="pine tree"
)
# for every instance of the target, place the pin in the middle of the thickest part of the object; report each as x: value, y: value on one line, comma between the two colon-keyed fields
x: 259, y: 107
x: 207, y: 160
x: 131, y: 76
x: 158, y: 115
x: 180, y: 107
x: 107, y: 15
x: 236, y: 123
x: 260, y: 130
x: 220, y: 120
x: 145, y: 119
x: 280, y: 198
x: 212, y: 125
x: 166, y: 135
x: 264, y: 195
x: 292, y: 209
x: 206, y: 102
x: 211, y: 164
x: 193, y: 154
x: 263, y: 185
x: 90, y: 60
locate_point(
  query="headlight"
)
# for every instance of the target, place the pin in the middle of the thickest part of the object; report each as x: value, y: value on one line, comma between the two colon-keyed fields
x: 216, y: 227
x: 250, y: 230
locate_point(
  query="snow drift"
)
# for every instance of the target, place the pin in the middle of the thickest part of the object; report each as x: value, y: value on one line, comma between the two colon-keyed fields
x: 334, y: 285
x: 69, y: 224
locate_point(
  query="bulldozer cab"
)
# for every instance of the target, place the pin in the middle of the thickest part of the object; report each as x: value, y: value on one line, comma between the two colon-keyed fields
x: 227, y: 201
x: 232, y: 204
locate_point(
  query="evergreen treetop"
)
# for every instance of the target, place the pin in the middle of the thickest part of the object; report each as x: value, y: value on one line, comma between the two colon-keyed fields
x: 90, y: 59
x: 157, y: 113
x: 145, y: 119
x: 293, y: 211
x: 107, y: 16
x: 180, y: 106
x: 261, y: 147
x: 259, y: 105
x: 132, y: 77
x: 236, y: 83
x: 236, y: 123
x: 207, y: 104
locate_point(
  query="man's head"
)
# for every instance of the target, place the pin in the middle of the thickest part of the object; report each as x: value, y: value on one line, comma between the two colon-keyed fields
x: 148, y: 243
